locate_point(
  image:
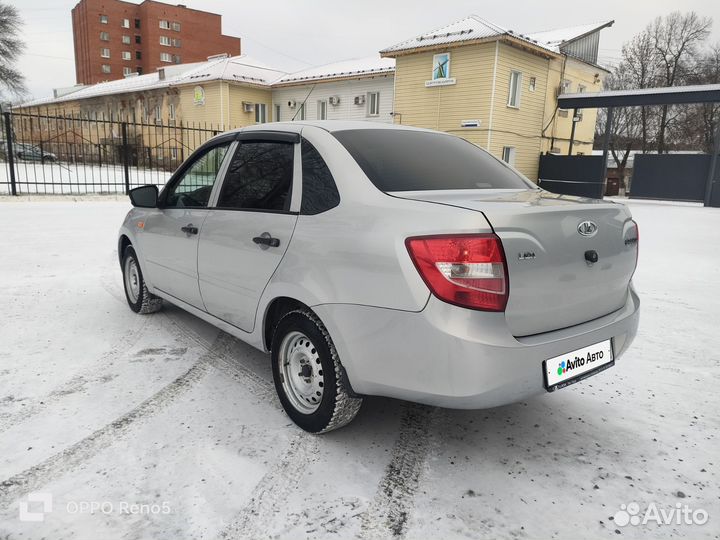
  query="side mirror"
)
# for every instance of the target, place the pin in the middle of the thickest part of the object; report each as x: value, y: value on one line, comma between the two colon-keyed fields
x: 144, y: 197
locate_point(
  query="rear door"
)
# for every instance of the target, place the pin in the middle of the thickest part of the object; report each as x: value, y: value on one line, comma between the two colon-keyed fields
x: 169, y: 237
x: 246, y: 235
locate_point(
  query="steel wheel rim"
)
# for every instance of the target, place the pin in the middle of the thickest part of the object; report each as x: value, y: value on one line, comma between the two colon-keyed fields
x: 301, y: 372
x: 132, y: 279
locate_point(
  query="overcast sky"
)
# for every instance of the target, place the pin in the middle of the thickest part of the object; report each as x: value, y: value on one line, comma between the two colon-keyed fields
x: 293, y: 34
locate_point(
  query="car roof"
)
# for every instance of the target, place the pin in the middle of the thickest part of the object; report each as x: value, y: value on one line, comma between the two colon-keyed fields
x: 328, y: 125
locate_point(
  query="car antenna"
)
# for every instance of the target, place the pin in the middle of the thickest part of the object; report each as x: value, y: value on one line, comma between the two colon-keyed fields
x: 302, y: 105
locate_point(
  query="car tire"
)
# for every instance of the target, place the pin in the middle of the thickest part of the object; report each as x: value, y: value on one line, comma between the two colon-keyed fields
x: 138, y: 297
x: 309, y: 378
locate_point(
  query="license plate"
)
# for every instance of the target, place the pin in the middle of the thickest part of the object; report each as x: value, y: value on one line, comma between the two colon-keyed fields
x: 577, y: 365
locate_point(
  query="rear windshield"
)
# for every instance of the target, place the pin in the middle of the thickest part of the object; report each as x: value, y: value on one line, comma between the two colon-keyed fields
x: 404, y: 160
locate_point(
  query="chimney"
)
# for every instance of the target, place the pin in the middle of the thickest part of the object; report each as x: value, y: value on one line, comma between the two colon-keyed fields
x: 161, y: 74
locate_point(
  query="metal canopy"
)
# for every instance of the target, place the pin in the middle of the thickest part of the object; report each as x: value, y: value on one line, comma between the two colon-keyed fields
x: 706, y: 93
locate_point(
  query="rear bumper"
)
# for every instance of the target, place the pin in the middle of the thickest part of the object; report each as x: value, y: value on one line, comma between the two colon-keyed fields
x: 454, y: 357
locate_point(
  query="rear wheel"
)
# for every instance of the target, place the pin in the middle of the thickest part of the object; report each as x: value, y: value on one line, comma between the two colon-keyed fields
x: 138, y: 297
x: 309, y: 378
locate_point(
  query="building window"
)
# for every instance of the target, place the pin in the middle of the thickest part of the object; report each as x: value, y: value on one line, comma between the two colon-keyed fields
x: 164, y: 40
x: 322, y: 110
x: 175, y: 42
x: 441, y: 66
x: 277, y: 113
x: 138, y: 70
x: 158, y: 114
x: 171, y: 111
x: 138, y: 55
x: 301, y: 112
x: 126, y: 40
x: 515, y: 88
x: 260, y: 113
x: 176, y: 59
x: 103, y: 19
x: 104, y: 36
x: 137, y: 23
x: 174, y: 152
x: 127, y: 71
x: 508, y: 155
x: 105, y: 68
x: 125, y: 23
x: 373, y: 103
x: 138, y: 40
x: 126, y: 55
x: 532, y: 84
x: 165, y: 57
x: 165, y: 25
x: 105, y: 53
x: 176, y: 26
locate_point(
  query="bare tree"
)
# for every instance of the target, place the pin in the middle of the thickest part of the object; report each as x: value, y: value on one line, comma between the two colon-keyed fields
x: 627, y: 129
x: 697, y: 124
x: 676, y: 39
x: 11, y: 46
x: 639, y: 69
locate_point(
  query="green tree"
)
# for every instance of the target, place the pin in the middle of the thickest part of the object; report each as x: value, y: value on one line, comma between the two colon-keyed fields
x: 11, y: 46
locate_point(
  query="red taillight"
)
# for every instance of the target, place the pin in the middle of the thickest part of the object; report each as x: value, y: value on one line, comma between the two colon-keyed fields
x: 637, y: 246
x: 468, y: 270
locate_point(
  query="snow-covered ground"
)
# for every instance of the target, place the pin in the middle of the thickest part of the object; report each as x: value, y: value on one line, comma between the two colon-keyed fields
x: 99, y: 406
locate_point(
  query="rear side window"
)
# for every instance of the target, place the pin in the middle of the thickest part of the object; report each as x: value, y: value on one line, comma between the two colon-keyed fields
x: 259, y: 177
x: 405, y: 160
x: 319, y: 192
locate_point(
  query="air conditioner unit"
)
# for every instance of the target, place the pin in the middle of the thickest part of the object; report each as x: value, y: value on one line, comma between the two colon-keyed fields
x: 470, y: 123
x: 359, y: 100
x: 334, y: 100
x: 292, y: 103
x: 248, y: 107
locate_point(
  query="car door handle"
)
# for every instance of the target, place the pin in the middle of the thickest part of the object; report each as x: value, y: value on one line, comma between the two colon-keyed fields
x: 189, y: 229
x: 266, y: 240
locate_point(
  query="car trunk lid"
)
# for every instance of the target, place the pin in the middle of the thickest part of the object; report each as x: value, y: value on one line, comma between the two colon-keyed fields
x: 546, y: 238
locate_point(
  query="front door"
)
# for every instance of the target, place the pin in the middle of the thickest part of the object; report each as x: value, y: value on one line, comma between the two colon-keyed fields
x: 169, y: 240
x: 244, y: 238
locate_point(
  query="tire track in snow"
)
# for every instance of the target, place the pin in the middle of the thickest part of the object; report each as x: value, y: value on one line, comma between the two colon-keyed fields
x: 388, y: 513
x: 273, y: 489
x: 127, y: 340
x: 215, y: 356
x: 74, y: 456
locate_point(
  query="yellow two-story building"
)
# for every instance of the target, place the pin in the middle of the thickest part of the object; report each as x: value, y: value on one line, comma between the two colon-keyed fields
x: 498, y: 88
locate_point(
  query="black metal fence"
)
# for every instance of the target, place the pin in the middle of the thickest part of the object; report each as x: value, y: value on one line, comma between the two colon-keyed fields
x: 573, y: 175
x: 680, y: 177
x: 72, y: 154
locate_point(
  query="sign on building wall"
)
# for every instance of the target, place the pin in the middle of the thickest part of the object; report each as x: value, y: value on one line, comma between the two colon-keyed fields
x: 440, y: 71
x: 199, y: 95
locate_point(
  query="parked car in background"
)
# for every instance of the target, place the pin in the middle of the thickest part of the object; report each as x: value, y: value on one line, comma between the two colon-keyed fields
x: 385, y: 260
x: 29, y: 152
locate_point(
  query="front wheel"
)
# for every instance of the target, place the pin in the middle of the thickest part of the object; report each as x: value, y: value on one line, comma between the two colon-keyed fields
x: 308, y: 376
x: 138, y: 297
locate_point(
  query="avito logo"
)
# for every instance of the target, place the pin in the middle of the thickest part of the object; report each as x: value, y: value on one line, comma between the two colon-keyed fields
x: 564, y: 367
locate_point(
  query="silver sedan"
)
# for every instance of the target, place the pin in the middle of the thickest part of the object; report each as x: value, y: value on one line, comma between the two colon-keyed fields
x: 385, y: 260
